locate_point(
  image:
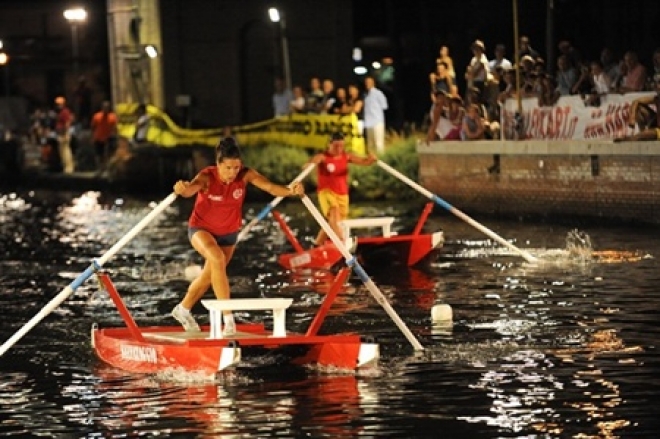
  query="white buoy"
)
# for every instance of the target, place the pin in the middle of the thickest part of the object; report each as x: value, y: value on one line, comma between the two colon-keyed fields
x: 441, y: 313
x: 192, y: 272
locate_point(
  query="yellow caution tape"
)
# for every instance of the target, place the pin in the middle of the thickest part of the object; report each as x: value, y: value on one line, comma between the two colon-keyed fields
x: 304, y: 130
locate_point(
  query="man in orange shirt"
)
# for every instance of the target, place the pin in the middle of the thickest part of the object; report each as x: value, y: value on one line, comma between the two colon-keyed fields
x: 104, y: 134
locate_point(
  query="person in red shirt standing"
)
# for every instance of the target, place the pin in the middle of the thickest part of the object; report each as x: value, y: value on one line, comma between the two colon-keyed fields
x: 63, y: 123
x: 104, y: 134
x: 215, y: 222
x: 332, y: 186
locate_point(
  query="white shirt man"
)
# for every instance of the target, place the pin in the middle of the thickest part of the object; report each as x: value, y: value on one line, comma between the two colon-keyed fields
x: 282, y: 98
x: 375, y: 104
x: 500, y: 60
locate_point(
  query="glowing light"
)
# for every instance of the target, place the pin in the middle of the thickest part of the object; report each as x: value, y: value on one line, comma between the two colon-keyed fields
x: 151, y: 51
x: 274, y: 15
x: 75, y: 14
x: 357, y: 54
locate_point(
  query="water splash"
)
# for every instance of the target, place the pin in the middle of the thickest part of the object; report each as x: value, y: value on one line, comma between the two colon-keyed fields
x: 578, y: 247
x: 578, y: 252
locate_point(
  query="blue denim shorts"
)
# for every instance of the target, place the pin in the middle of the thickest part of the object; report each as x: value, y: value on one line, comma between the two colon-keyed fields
x: 222, y: 240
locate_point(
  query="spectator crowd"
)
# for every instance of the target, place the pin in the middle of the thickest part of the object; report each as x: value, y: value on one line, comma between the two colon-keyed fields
x: 323, y: 97
x: 470, y: 113
x: 71, y: 140
x: 474, y: 112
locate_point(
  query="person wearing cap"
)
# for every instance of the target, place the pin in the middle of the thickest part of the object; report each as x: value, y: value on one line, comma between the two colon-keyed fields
x: 478, y: 70
x: 332, y: 185
x: 63, y: 123
x: 215, y: 221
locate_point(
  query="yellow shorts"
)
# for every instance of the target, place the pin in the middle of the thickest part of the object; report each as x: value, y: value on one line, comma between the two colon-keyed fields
x: 329, y: 199
x: 657, y: 133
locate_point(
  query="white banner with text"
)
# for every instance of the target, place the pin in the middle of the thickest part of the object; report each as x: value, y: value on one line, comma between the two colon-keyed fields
x: 570, y: 118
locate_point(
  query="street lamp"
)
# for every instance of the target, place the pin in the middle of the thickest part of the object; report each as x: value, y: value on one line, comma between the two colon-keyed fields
x: 75, y: 16
x: 276, y: 17
x: 4, y: 63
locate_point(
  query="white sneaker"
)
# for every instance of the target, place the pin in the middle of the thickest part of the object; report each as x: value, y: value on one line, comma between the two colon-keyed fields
x: 186, y: 319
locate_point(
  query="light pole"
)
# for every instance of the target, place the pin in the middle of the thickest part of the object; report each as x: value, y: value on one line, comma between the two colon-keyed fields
x: 75, y: 16
x: 4, y: 62
x: 276, y: 17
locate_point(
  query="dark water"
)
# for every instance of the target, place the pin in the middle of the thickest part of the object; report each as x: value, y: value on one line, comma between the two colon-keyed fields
x: 562, y: 348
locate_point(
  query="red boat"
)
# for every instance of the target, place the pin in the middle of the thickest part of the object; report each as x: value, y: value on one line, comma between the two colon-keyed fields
x: 408, y: 249
x: 209, y: 350
x: 162, y: 348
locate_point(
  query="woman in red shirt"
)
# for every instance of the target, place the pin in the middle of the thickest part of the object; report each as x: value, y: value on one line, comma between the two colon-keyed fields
x: 332, y: 184
x: 215, y: 222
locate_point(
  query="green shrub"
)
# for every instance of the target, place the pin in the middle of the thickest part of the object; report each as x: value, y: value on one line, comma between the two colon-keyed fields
x: 282, y: 163
x: 375, y: 183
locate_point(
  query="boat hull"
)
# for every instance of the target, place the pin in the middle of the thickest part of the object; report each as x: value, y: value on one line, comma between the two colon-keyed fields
x: 408, y: 250
x: 164, y: 349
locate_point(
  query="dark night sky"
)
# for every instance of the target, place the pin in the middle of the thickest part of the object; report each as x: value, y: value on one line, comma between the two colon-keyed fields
x: 589, y: 24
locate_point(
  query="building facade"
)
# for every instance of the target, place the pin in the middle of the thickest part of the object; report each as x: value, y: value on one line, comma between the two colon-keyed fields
x: 219, y: 59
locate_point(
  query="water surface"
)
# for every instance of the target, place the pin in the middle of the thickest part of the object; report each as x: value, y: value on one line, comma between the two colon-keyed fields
x: 561, y: 348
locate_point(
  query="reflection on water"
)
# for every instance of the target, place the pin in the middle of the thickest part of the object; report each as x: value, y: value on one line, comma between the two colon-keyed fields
x: 563, y: 347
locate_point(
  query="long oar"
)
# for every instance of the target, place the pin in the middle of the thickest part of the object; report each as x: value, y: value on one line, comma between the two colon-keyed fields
x: 364, y: 277
x: 95, y: 266
x: 270, y: 206
x: 455, y: 211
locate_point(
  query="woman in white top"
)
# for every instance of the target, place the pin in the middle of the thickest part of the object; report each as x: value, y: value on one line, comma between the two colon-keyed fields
x: 297, y: 105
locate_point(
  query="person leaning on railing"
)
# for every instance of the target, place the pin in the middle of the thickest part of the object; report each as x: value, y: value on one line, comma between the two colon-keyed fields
x: 642, y: 111
x: 651, y: 130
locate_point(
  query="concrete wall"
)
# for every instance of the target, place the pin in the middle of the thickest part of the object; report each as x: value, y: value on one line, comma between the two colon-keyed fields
x: 617, y: 181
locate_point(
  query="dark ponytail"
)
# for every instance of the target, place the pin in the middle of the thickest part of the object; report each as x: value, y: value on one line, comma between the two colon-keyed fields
x: 227, y: 148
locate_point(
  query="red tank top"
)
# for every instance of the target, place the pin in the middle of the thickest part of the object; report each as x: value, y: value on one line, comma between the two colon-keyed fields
x: 333, y: 173
x: 219, y: 209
